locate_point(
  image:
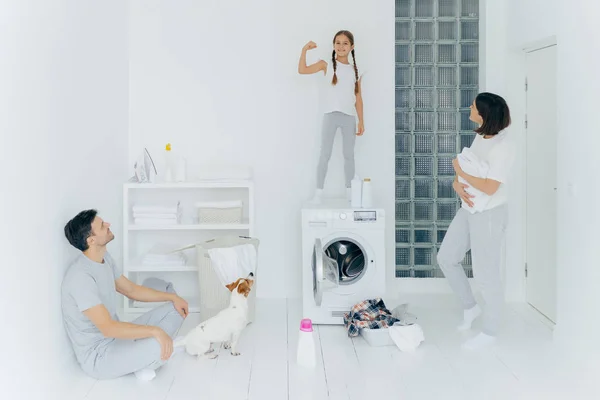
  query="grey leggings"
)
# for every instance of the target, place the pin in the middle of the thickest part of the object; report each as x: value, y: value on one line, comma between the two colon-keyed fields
x: 483, y: 233
x: 347, y: 124
x: 121, y: 357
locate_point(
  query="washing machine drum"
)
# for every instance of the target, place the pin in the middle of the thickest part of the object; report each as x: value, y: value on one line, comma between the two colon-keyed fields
x: 350, y: 259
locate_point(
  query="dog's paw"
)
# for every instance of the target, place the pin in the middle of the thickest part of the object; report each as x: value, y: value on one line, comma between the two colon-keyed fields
x: 226, y: 345
x: 212, y: 356
x: 209, y: 351
x: 235, y: 353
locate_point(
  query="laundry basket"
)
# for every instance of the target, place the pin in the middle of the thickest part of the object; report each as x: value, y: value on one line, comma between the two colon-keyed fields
x: 214, y: 297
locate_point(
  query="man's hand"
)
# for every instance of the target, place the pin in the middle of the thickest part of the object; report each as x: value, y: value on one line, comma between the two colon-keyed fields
x: 165, y: 341
x: 181, y: 306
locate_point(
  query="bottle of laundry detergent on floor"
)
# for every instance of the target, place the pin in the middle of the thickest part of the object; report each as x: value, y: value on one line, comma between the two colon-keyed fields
x: 367, y: 194
x: 306, y: 356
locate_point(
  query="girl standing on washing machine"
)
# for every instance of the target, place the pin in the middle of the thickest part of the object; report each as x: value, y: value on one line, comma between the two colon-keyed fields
x: 480, y: 223
x: 342, y: 102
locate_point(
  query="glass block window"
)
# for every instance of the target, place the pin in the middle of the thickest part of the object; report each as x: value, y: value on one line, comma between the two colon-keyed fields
x: 437, y: 78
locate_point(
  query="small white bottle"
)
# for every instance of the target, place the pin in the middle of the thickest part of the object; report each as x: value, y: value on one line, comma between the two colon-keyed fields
x: 356, y: 188
x: 306, y: 356
x: 181, y: 170
x: 367, y: 194
x: 168, y: 164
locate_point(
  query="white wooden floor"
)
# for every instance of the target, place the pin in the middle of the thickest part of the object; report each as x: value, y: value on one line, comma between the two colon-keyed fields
x: 523, y: 365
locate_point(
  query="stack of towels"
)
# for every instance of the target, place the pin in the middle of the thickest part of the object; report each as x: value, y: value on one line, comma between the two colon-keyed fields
x: 164, y: 215
x: 472, y: 165
x: 160, y: 256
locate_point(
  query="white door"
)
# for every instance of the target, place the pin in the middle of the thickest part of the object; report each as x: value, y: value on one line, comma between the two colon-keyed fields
x: 541, y: 181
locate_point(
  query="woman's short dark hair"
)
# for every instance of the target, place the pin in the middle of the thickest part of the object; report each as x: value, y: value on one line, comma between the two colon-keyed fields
x: 79, y: 229
x: 494, y: 111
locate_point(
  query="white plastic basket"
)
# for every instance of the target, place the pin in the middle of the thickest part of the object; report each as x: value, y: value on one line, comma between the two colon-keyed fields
x: 214, y: 297
x: 223, y: 212
x: 377, y: 337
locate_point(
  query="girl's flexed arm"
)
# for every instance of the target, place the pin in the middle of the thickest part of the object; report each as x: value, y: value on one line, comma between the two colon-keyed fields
x: 310, y: 69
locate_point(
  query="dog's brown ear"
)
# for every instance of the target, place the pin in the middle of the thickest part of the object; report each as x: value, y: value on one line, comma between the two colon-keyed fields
x: 232, y: 285
x: 244, y: 287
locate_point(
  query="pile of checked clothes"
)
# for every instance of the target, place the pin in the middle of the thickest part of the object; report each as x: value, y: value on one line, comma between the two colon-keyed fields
x: 368, y: 314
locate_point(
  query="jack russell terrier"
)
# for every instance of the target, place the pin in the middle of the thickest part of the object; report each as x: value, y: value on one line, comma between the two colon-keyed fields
x: 226, y: 326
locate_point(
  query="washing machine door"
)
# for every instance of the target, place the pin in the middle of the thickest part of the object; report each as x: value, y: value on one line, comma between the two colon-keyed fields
x: 325, y: 272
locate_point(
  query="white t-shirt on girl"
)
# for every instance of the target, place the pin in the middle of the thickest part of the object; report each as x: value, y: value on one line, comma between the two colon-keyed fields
x: 339, y: 97
x: 498, y: 152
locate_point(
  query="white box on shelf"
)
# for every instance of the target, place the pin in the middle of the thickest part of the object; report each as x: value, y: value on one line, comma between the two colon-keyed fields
x: 220, y: 212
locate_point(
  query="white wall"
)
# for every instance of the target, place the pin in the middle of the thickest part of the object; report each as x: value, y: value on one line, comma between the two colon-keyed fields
x: 64, y: 135
x: 578, y: 165
x: 508, y: 27
x: 530, y: 20
x: 218, y: 79
x: 578, y: 85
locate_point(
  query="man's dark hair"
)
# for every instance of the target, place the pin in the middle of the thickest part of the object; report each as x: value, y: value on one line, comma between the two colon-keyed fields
x: 494, y: 111
x: 79, y: 229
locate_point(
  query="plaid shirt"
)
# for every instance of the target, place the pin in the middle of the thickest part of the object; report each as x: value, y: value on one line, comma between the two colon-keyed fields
x: 368, y: 314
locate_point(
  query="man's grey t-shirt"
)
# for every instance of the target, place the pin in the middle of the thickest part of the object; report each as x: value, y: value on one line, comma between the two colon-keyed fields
x: 85, y: 285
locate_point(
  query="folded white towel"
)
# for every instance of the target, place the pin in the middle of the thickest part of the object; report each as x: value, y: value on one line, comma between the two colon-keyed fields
x: 165, y: 257
x: 161, y: 249
x: 155, y: 216
x: 156, y: 209
x: 471, y: 164
x: 219, y: 204
x: 232, y: 263
x: 156, y: 221
x: 160, y: 255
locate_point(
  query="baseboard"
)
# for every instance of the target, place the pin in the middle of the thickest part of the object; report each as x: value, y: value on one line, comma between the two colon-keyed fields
x: 530, y: 313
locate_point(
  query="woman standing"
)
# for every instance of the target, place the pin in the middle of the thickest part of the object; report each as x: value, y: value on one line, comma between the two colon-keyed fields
x: 482, y: 231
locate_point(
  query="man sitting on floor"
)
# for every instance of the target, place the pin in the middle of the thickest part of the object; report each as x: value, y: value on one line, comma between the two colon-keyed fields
x: 104, y: 346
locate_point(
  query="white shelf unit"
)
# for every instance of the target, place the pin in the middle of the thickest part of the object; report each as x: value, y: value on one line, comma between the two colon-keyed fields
x: 137, y: 239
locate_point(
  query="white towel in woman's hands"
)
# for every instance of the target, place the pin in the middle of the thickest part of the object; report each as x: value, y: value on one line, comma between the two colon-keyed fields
x: 471, y: 165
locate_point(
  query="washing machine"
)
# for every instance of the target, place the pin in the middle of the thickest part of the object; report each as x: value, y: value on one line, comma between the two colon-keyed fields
x: 343, y: 259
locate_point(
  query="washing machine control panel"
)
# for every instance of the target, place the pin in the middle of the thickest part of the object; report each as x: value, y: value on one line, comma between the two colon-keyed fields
x: 365, y: 216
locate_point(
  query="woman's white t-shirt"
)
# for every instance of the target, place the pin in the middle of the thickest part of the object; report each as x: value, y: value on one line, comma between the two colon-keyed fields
x: 498, y: 152
x: 339, y: 97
